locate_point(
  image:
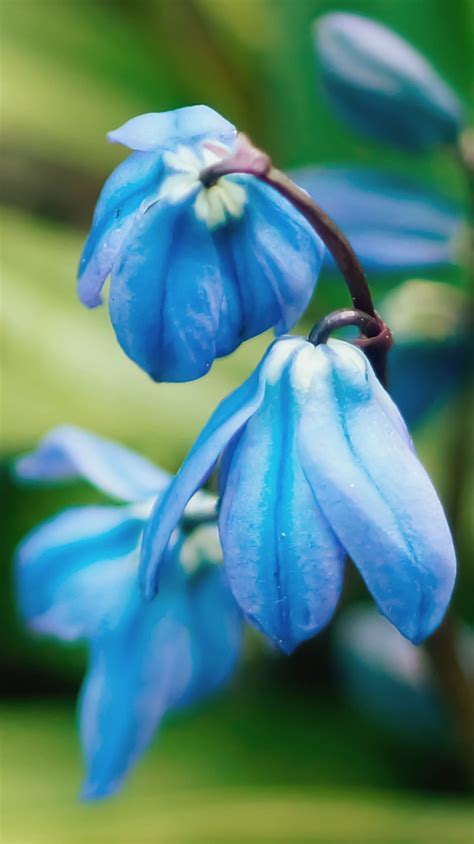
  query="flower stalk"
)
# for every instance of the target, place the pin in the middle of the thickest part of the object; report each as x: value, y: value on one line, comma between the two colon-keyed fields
x: 248, y: 159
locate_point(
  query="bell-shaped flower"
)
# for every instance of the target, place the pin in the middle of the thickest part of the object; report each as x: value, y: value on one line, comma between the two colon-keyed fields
x: 77, y: 579
x: 316, y: 464
x: 382, y: 86
x: 195, y: 269
x: 391, y: 222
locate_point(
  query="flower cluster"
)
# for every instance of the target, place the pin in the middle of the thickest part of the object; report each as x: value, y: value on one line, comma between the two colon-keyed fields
x: 77, y: 579
x: 204, y: 250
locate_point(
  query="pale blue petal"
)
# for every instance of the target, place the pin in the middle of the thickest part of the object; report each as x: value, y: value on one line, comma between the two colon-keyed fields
x: 73, y: 571
x: 391, y: 222
x: 131, y: 183
x: 271, y: 259
x: 376, y: 495
x: 165, y: 295
x: 229, y: 417
x: 178, y: 302
x: 166, y: 129
x: 67, y: 453
x: 137, y: 672
x: 217, y: 633
x: 282, y: 559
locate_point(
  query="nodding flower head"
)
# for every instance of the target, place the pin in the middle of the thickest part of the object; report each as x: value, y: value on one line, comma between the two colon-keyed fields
x: 76, y: 578
x: 316, y: 465
x: 195, y: 268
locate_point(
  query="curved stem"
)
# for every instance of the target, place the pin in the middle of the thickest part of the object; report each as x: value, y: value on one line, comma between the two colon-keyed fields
x: 331, y: 235
x: 249, y: 159
x: 323, y: 329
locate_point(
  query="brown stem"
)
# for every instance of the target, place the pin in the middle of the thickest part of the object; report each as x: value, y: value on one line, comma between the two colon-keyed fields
x: 248, y: 159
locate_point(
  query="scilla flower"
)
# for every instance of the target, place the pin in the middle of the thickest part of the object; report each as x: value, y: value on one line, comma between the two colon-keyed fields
x: 195, y: 269
x: 316, y: 464
x: 382, y: 86
x: 77, y: 579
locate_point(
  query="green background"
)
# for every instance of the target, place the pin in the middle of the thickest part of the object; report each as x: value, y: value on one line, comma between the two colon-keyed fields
x: 281, y: 756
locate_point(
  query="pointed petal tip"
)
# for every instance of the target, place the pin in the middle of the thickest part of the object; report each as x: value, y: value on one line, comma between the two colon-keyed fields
x: 94, y: 792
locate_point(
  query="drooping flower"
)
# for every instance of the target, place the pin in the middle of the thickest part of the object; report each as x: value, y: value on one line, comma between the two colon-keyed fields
x: 382, y: 86
x: 392, y: 223
x: 195, y: 269
x: 77, y: 579
x: 316, y: 464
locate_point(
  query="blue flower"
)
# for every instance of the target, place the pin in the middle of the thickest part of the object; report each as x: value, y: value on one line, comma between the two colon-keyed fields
x: 194, y: 270
x: 77, y: 578
x: 316, y: 464
x: 382, y: 86
x: 391, y: 222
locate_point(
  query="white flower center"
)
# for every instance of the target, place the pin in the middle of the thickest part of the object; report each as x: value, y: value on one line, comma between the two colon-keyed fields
x: 215, y: 205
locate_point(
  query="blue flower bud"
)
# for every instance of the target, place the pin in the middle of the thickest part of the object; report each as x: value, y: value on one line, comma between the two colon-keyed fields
x: 317, y: 464
x: 195, y: 269
x: 382, y: 86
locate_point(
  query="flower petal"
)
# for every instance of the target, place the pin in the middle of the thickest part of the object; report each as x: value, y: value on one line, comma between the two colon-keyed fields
x: 165, y: 295
x: 375, y: 494
x: 283, y: 561
x: 137, y: 672
x: 229, y: 417
x: 67, y: 453
x: 131, y: 183
x: 271, y: 258
x: 166, y: 129
x: 217, y: 634
x: 391, y: 222
x: 73, y: 571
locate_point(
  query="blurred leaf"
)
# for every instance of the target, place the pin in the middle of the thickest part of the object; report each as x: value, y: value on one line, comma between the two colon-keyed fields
x: 269, y: 778
x: 63, y: 364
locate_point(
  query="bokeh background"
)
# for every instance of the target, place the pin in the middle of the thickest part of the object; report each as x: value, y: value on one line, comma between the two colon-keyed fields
x: 289, y: 753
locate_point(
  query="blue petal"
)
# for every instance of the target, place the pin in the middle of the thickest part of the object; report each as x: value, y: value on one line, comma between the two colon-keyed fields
x: 178, y: 302
x: 271, y: 257
x: 392, y: 223
x: 283, y: 561
x: 382, y: 86
x: 74, y: 571
x: 67, y: 453
x: 217, y: 633
x: 131, y: 183
x: 137, y: 672
x: 165, y: 295
x: 229, y: 417
x: 165, y: 129
x: 375, y: 494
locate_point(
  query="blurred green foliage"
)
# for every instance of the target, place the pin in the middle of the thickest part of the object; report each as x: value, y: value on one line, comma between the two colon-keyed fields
x: 71, y: 70
x: 244, y: 769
